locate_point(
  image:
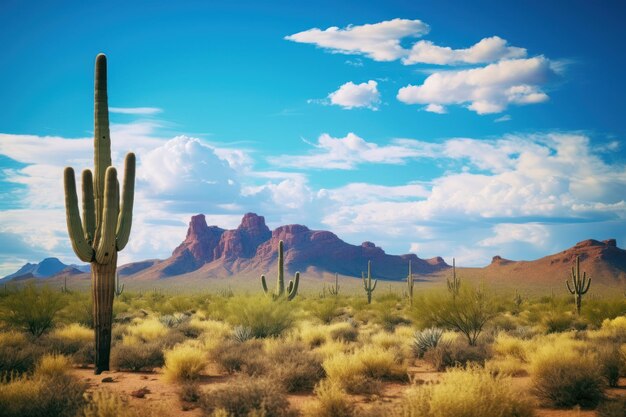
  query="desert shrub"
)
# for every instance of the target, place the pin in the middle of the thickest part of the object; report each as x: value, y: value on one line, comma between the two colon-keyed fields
x: 615, y: 328
x: 426, y: 339
x: 31, y: 309
x: 610, y: 361
x: 508, y: 366
x: 184, y: 362
x: 505, y: 345
x: 344, y: 331
x: 50, y: 391
x: 612, y: 408
x: 596, y: 311
x: 190, y: 392
x: 312, y: 335
x: 17, y: 353
x: 265, y: 317
x: 147, y: 330
x: 360, y: 372
x: 243, y: 396
x: 173, y: 320
x: 470, y: 392
x: 232, y: 356
x: 294, y: 367
x: 325, y: 310
x: 212, y: 328
x: 332, y: 402
x: 74, y: 340
x: 558, y: 322
x: 388, y: 315
x: 565, y: 378
x: 104, y: 403
x: 138, y: 357
x: 78, y: 309
x: 468, y: 313
x: 457, y: 353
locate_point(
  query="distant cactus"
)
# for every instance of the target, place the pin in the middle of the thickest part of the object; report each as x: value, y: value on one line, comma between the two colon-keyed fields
x: 292, y: 288
x: 410, y: 283
x: 64, y: 288
x: 518, y: 300
x: 454, y: 285
x: 580, y: 285
x: 335, y: 290
x: 107, y: 216
x: 367, y: 284
x: 118, y: 289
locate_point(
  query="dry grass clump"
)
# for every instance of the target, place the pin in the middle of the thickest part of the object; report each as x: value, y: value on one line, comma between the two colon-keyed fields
x: 50, y: 391
x: 74, y: 332
x: 456, y: 353
x: 331, y: 402
x: 232, y: 356
x: 139, y: 357
x: 104, y: 403
x: 615, y: 329
x: 264, y: 317
x: 566, y: 377
x: 184, y: 362
x: 469, y: 392
x: 74, y: 340
x: 360, y: 371
x: 293, y: 366
x: 506, y: 345
x: 17, y: 353
x: 345, y: 331
x: 245, y: 397
x: 313, y: 335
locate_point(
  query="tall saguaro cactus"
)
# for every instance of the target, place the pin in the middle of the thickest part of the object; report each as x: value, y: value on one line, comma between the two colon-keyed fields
x: 106, y: 221
x: 367, y: 283
x: 292, y: 288
x: 454, y: 285
x: 580, y: 285
x: 410, y: 283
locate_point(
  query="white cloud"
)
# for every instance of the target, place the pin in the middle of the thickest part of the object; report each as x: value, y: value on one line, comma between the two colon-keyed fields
x: 490, y: 89
x: 359, y: 192
x: 378, y: 41
x: 487, y: 50
x: 136, y: 110
x: 435, y: 108
x: 532, y: 233
x: 351, y: 95
x: 351, y: 150
x: 505, y: 118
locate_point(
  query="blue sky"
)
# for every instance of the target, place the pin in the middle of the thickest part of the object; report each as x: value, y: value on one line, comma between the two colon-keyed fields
x: 450, y: 128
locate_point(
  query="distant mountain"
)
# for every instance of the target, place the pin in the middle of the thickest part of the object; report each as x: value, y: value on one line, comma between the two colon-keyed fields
x: 251, y: 248
x: 602, y: 260
x: 47, y: 268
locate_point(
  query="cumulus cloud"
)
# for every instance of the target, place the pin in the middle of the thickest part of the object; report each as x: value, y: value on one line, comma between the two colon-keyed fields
x: 378, y: 41
x: 351, y: 95
x: 487, y: 50
x: 503, y: 233
x: 350, y: 151
x: 435, y: 108
x: 490, y: 89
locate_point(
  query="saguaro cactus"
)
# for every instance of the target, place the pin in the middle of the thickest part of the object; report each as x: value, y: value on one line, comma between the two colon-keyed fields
x: 580, y: 285
x: 367, y: 283
x: 335, y: 290
x: 106, y: 221
x: 454, y: 285
x: 292, y: 288
x: 410, y: 283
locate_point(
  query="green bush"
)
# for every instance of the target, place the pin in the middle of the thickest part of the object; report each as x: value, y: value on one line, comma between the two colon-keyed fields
x: 264, y: 317
x: 31, y: 309
x: 17, y: 353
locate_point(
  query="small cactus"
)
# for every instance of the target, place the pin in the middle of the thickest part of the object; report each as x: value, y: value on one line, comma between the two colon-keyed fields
x: 292, y: 287
x: 410, y: 283
x: 118, y: 289
x: 454, y: 285
x: 335, y: 290
x: 518, y: 300
x: 64, y: 288
x: 580, y: 285
x: 367, y: 283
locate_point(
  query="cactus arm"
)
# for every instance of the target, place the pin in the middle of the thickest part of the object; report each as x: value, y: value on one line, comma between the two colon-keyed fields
x: 290, y: 286
x: 364, y: 282
x: 74, y: 227
x: 572, y: 291
x: 374, y: 286
x: 264, y: 284
x: 106, y: 245
x: 280, y: 281
x: 125, y: 217
x: 586, y: 288
x: 89, y: 213
x: 293, y: 287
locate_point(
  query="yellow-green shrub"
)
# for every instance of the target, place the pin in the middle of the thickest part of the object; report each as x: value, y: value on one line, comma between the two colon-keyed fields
x: 146, y: 330
x: 470, y: 392
x: 331, y: 402
x: 184, y: 362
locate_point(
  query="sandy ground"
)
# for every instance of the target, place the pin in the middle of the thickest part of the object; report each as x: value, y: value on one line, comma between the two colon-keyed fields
x: 163, y: 397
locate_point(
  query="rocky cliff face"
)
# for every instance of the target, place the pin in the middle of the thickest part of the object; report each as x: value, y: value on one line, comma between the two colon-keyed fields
x: 252, y: 246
